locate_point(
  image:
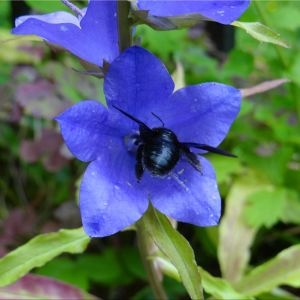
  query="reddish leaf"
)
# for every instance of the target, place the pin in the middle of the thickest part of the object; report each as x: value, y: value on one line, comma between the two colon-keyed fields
x: 41, y: 287
x: 47, y: 147
x: 39, y: 99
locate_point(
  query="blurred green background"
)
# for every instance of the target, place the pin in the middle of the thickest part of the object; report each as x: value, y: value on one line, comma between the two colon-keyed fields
x: 260, y: 189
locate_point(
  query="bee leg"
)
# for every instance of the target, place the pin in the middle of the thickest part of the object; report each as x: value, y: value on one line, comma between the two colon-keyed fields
x: 192, y: 158
x: 139, y: 168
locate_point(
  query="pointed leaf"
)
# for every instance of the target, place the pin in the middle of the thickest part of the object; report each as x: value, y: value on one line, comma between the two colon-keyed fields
x: 236, y: 235
x: 217, y: 287
x: 263, y: 87
x: 176, y: 248
x: 40, y: 250
x: 283, y: 269
x: 261, y: 33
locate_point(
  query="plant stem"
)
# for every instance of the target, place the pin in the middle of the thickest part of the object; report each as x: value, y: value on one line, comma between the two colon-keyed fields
x: 73, y: 7
x: 144, y: 241
x: 145, y: 244
x: 123, y: 9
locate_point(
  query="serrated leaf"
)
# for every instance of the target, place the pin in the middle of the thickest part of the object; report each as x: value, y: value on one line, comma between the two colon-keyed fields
x: 40, y: 250
x: 283, y: 269
x: 41, y: 287
x: 260, y: 203
x: 176, y: 248
x: 261, y: 33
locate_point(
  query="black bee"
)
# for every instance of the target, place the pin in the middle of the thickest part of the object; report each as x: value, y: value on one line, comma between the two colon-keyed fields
x: 158, y: 149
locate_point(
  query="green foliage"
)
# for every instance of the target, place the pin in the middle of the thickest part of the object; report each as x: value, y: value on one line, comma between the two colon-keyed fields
x: 40, y: 250
x: 176, y: 248
x: 258, y: 214
x: 163, y: 42
x: 283, y: 269
x: 219, y: 288
x: 253, y: 246
x: 47, y: 6
x: 261, y: 32
x: 105, y: 268
x: 235, y: 235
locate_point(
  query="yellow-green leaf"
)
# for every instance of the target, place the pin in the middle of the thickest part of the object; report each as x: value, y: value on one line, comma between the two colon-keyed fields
x: 261, y: 33
x: 40, y: 250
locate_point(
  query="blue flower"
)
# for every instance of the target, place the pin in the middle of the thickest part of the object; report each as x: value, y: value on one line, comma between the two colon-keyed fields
x: 94, y: 35
x: 111, y: 198
x: 222, y: 11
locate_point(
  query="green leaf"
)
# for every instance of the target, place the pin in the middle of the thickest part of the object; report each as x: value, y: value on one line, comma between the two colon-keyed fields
x: 219, y: 288
x: 261, y: 32
x: 155, y: 39
x: 40, y: 250
x: 65, y: 269
x: 260, y: 203
x: 283, y: 269
x: 225, y: 167
x: 176, y: 248
x: 46, y: 6
x: 278, y: 16
x: 291, y: 209
x: 235, y: 235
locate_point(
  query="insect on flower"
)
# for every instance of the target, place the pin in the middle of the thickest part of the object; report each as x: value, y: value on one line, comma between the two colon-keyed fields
x: 135, y: 156
x: 158, y: 149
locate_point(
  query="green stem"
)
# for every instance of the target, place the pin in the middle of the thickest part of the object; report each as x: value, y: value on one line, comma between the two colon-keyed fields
x: 145, y: 244
x: 123, y: 9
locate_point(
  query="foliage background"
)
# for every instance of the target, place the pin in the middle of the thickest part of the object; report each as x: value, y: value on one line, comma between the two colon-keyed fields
x: 260, y: 189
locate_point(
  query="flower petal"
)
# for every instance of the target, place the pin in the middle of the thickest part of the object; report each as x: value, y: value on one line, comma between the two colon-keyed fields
x: 52, y: 18
x: 109, y: 197
x: 187, y: 195
x: 202, y: 113
x: 138, y: 83
x: 86, y: 129
x: 224, y: 12
x: 95, y: 40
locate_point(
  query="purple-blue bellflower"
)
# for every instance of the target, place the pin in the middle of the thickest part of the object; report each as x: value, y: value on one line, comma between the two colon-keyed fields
x: 111, y: 197
x: 93, y: 35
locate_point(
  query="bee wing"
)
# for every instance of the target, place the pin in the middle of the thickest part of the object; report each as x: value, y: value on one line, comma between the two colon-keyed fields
x: 208, y: 148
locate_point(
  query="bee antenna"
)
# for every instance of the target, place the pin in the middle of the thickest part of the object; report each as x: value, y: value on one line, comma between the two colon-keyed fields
x: 131, y: 117
x: 156, y: 116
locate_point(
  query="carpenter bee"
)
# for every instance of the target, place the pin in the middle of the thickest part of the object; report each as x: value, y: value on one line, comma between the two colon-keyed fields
x: 158, y: 149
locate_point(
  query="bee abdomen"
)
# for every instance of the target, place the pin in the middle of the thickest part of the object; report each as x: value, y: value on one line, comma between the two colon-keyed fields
x: 160, y: 159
